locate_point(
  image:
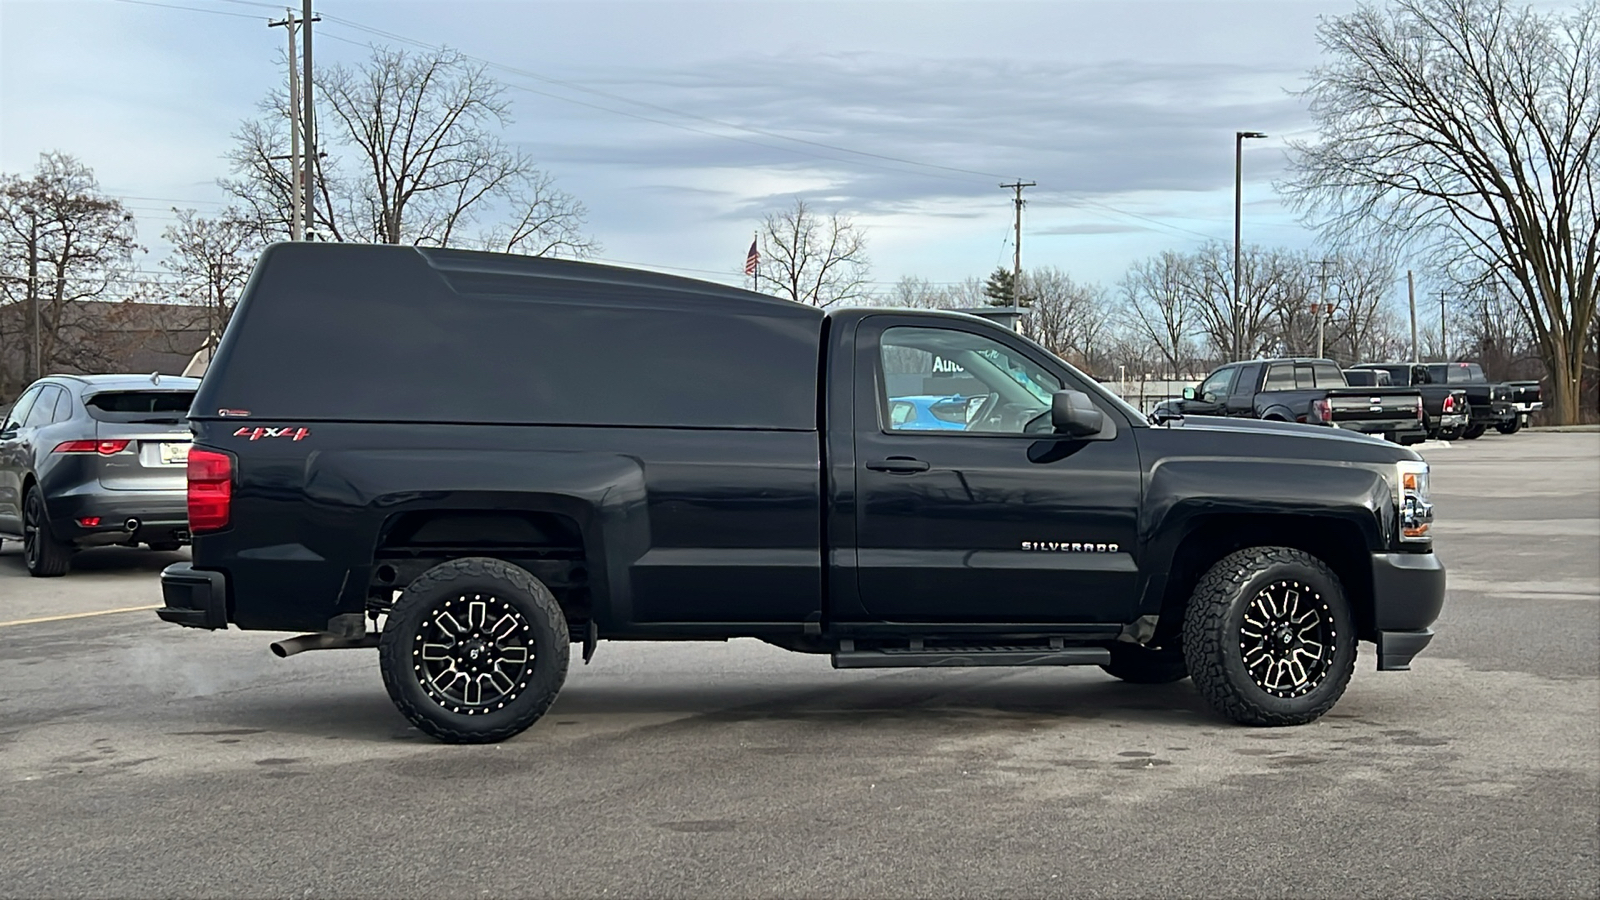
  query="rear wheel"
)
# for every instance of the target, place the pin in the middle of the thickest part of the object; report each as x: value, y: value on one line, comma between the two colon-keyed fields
x: 1511, y: 427
x: 1449, y: 434
x: 1474, y: 432
x: 1138, y: 664
x: 1269, y: 637
x: 474, y: 651
x: 44, y: 556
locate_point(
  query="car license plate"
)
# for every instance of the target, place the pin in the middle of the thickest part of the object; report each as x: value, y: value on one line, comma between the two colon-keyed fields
x: 172, y: 454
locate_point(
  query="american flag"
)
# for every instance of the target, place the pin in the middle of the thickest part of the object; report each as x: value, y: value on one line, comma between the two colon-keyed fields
x: 751, y: 260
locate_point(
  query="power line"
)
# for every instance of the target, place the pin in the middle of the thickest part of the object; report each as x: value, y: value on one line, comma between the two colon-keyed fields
x: 214, y: 12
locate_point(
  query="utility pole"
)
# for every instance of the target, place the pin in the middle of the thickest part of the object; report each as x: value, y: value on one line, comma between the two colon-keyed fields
x: 1411, y: 295
x: 1016, y: 259
x: 1320, y: 308
x: 33, y: 287
x: 1444, y: 354
x: 297, y: 230
x: 308, y: 122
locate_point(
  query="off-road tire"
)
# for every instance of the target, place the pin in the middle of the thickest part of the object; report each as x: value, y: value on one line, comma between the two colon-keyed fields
x: 1473, y: 432
x: 1511, y: 427
x: 543, y: 630
x: 165, y: 546
x: 44, y: 556
x: 1214, y: 642
x: 1138, y: 664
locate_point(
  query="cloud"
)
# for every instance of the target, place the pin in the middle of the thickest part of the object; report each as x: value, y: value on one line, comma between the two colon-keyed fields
x: 1079, y: 130
x: 1088, y: 228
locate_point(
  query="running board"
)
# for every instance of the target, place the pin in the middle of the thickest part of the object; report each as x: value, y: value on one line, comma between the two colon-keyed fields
x: 907, y: 658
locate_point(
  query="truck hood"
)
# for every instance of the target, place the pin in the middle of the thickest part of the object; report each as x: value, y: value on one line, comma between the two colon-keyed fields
x: 1259, y: 437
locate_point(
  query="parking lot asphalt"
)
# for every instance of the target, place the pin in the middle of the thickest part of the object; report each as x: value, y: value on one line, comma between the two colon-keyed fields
x: 139, y: 759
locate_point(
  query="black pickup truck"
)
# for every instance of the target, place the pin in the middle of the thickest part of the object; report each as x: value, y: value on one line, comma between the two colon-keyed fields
x: 472, y: 461
x: 1445, y: 407
x: 1309, y: 391
x: 1503, y: 406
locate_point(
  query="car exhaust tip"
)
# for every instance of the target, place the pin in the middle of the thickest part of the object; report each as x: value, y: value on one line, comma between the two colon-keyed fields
x: 131, y: 525
x: 320, y: 641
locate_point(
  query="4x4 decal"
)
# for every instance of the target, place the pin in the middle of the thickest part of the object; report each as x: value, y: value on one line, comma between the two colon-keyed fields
x: 255, y: 434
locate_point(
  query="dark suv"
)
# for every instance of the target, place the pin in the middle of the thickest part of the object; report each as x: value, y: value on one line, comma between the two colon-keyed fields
x: 90, y: 460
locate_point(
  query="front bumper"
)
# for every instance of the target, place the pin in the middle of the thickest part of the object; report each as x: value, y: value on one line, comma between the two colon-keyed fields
x: 1407, y: 595
x: 195, y: 598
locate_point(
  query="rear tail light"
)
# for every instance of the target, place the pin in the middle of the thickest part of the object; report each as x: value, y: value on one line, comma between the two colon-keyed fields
x: 90, y: 521
x: 1449, y: 404
x: 210, y: 490
x: 1419, y: 408
x: 1321, y: 411
x: 104, y: 448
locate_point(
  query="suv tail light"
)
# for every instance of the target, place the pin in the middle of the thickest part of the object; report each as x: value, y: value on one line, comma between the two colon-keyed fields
x: 210, y: 489
x: 1321, y: 411
x: 104, y: 448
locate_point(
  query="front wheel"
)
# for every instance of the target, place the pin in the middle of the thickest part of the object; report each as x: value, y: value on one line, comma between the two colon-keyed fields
x: 474, y: 651
x: 1511, y: 427
x: 1269, y: 638
x: 1474, y: 432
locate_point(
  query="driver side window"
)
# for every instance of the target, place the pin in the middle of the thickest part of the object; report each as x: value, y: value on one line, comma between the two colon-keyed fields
x: 940, y: 379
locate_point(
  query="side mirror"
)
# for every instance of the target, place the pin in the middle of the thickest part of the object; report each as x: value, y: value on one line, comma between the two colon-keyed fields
x: 1188, y: 393
x: 1072, y: 413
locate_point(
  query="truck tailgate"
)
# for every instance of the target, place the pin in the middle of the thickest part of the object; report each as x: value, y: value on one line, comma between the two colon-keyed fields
x: 1375, y: 408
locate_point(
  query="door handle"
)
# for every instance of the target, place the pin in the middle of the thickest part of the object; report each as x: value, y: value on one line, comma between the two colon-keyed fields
x: 898, y: 465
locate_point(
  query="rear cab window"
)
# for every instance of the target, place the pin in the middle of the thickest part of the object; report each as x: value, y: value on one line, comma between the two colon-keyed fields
x: 1280, y: 377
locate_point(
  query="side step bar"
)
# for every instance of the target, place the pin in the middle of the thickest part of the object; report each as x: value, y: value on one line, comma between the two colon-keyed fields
x: 914, y: 657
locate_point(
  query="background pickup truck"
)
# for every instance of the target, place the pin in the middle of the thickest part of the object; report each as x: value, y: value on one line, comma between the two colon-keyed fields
x: 1310, y: 391
x: 1444, y: 406
x: 531, y: 453
x: 1494, y: 405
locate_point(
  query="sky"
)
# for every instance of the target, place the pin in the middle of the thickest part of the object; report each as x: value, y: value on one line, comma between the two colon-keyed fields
x: 904, y: 115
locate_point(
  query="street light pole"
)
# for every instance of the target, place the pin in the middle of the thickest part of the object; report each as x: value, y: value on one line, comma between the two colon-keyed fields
x: 1238, y: 210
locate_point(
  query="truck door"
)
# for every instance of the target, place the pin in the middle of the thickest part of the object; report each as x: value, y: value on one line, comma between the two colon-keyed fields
x: 987, y: 517
x: 1242, y: 399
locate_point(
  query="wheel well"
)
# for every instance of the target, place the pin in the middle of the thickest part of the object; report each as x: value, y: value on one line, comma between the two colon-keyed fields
x: 548, y: 545
x: 1336, y: 542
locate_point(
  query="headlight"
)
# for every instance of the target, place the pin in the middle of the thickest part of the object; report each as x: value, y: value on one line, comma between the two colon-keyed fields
x: 1414, y: 500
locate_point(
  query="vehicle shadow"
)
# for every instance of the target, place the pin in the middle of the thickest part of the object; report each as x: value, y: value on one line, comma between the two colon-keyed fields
x: 947, y: 705
x: 97, y: 560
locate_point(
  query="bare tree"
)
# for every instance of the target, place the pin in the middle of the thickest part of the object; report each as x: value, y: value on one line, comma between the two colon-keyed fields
x: 415, y: 157
x: 1156, y: 311
x: 911, y: 292
x: 1066, y: 317
x: 1469, y: 128
x: 210, y: 262
x: 814, y: 260
x: 62, y: 242
x: 1225, y: 322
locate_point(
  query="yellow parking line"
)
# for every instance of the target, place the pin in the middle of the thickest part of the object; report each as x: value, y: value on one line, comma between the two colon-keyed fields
x: 82, y: 615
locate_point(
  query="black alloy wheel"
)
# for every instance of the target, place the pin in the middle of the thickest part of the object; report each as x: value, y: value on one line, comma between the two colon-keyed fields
x: 1473, y: 432
x: 474, y: 651
x: 1449, y: 434
x: 1269, y: 637
x: 44, y: 556
x: 1511, y: 427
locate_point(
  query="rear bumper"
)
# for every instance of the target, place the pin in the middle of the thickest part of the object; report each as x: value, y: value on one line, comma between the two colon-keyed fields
x: 195, y: 598
x: 1454, y: 420
x: 155, y: 516
x: 1408, y: 594
x: 1392, y: 430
